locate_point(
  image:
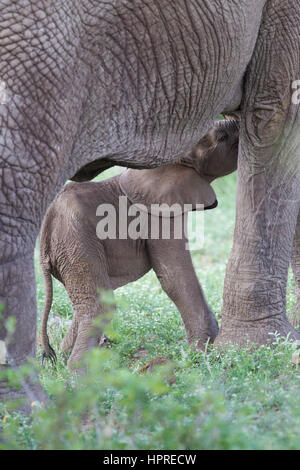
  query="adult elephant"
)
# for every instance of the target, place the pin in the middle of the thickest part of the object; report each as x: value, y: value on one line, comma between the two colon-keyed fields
x: 85, y: 85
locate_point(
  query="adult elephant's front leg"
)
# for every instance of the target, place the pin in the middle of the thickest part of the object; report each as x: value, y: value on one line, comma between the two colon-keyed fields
x: 18, y: 307
x: 268, y: 185
x: 295, y: 315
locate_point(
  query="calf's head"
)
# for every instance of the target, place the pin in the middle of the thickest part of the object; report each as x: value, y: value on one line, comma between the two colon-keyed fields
x: 216, y: 154
x: 187, y: 182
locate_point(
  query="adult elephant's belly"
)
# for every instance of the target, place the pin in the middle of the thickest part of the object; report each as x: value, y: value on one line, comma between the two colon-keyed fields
x: 127, y: 261
x: 160, y: 78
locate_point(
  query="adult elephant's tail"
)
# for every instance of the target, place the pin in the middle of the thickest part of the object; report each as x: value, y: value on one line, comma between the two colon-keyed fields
x: 48, y: 352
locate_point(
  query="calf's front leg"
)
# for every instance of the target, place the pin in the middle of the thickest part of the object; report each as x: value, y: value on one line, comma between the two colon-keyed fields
x: 173, y: 266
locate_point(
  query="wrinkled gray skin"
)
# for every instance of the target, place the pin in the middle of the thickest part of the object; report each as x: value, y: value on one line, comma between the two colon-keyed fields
x: 295, y: 315
x: 71, y: 251
x: 90, y: 84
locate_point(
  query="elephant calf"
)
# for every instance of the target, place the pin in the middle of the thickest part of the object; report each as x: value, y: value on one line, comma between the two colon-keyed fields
x: 71, y: 251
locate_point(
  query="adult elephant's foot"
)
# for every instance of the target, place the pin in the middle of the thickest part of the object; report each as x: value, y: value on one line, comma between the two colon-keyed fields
x: 294, y: 317
x: 263, y: 331
x: 28, y: 397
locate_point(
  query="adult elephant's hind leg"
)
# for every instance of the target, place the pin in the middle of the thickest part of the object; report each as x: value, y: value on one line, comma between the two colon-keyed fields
x: 268, y: 185
x: 295, y: 315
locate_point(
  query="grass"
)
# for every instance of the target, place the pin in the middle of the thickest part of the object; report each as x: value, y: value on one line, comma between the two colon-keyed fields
x: 195, y: 400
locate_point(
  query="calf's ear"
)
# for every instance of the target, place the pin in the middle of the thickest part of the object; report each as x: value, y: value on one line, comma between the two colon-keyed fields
x: 170, y: 184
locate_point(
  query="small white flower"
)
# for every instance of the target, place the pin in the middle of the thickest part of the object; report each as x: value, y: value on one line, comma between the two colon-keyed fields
x: 37, y: 404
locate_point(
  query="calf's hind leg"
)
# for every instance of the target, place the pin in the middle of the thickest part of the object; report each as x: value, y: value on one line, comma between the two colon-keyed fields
x: 83, y: 280
x: 70, y: 337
